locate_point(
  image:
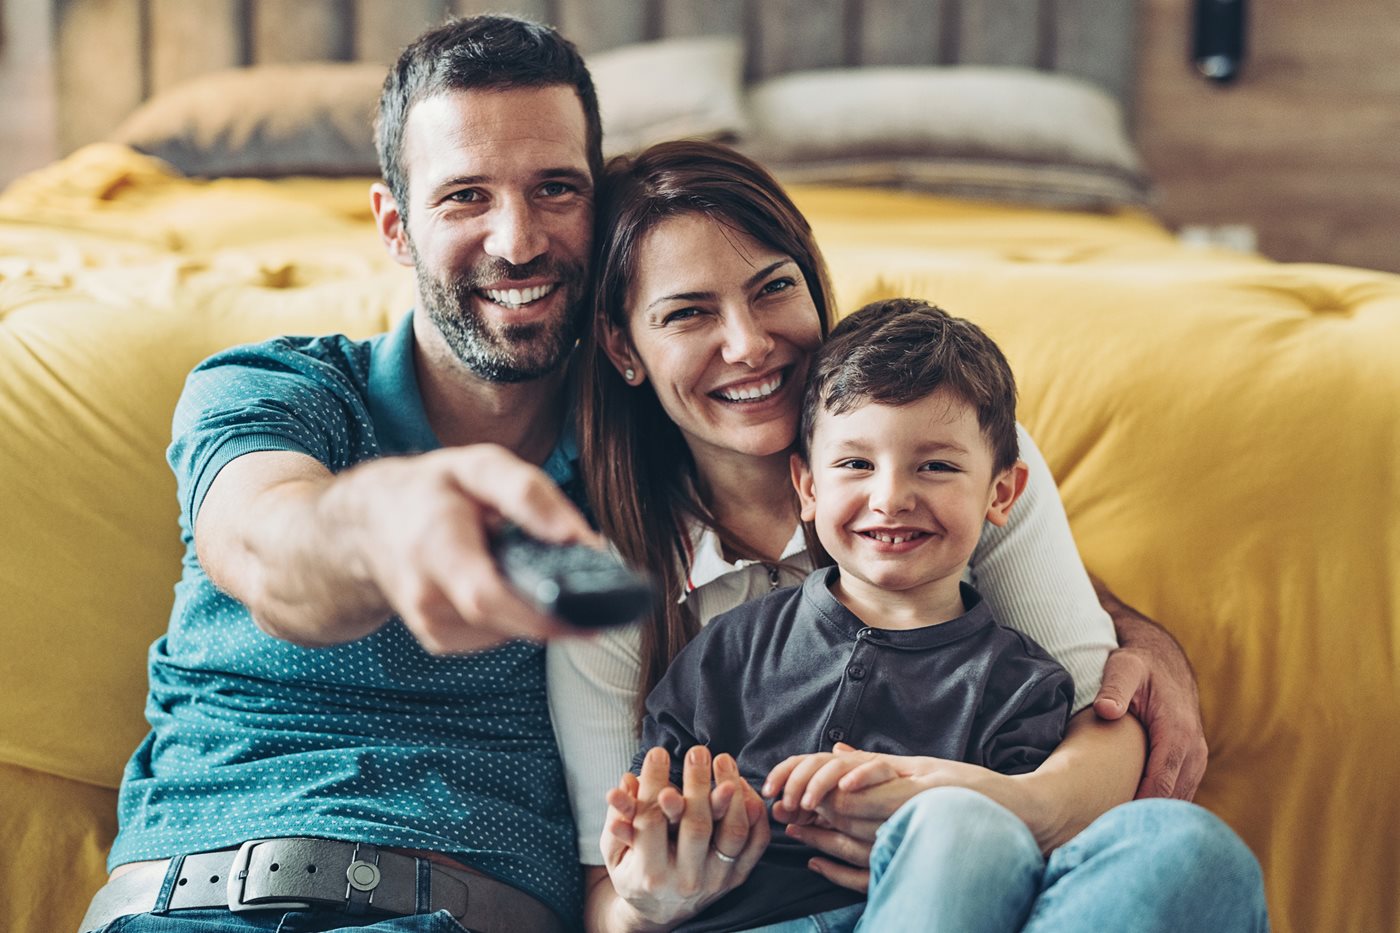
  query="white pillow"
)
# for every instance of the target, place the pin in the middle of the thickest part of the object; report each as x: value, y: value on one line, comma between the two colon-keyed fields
x: 672, y: 89
x: 998, y: 132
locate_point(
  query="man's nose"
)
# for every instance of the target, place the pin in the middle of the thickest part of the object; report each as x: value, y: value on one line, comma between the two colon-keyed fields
x: 746, y: 340
x: 516, y: 233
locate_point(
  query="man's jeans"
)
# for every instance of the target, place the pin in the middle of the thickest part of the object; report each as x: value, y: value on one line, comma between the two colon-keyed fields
x: 275, y: 921
x: 952, y: 860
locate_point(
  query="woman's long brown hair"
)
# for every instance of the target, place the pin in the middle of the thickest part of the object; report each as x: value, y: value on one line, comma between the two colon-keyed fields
x: 637, y: 468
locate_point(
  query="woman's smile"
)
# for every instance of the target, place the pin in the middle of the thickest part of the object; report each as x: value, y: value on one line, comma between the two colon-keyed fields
x: 722, y: 327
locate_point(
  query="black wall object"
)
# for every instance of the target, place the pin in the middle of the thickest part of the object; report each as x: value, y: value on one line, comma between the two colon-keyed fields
x: 1217, y: 46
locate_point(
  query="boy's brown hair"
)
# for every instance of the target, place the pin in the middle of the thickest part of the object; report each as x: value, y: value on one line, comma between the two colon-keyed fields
x: 901, y: 350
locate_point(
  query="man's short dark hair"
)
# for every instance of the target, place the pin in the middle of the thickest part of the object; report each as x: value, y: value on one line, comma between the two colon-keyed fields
x: 488, y: 52
x: 901, y: 350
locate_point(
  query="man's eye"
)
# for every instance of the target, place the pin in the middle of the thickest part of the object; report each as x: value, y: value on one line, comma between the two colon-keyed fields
x: 554, y: 189
x: 464, y: 196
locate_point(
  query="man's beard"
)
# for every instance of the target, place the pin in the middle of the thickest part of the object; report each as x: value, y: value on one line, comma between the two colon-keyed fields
x: 515, y: 352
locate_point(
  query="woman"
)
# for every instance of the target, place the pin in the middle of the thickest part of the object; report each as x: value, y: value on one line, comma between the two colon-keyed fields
x: 711, y: 294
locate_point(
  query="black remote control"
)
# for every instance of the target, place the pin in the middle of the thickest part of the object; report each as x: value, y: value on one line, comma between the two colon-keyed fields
x: 583, y: 586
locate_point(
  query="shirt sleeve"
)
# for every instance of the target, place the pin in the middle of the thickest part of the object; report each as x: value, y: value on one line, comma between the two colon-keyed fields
x: 268, y: 396
x: 1035, y: 726
x: 593, y: 686
x: 1031, y: 574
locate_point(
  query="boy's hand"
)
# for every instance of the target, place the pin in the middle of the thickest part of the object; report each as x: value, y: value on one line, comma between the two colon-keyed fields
x: 800, y: 784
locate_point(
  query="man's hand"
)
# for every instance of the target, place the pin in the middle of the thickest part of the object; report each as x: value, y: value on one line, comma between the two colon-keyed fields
x: 322, y: 559
x: 1150, y: 677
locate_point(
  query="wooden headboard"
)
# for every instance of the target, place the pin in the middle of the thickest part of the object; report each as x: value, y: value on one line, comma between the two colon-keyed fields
x: 113, y: 54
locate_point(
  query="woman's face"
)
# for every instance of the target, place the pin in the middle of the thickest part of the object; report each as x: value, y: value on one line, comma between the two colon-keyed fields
x: 722, y: 326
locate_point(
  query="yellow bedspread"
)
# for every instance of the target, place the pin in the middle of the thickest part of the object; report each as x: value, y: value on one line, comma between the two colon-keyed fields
x: 1226, y: 432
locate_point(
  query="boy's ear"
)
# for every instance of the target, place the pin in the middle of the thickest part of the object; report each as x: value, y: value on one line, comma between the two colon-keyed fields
x: 802, y: 482
x: 389, y: 222
x: 1006, y: 489
x: 618, y: 346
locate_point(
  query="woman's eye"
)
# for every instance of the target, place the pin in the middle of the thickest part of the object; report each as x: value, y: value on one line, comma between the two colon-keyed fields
x: 680, y: 314
x: 778, y: 285
x: 554, y: 189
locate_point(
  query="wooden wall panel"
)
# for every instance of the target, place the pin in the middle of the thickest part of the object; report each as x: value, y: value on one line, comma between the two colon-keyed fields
x: 541, y: 11
x: 382, y: 30
x: 792, y: 35
x: 1304, y: 147
x: 594, y: 26
x: 1083, y: 37
x: 708, y: 18
x: 999, y: 32
x: 302, y: 30
x: 100, y: 74
x: 900, y: 32
x: 190, y: 37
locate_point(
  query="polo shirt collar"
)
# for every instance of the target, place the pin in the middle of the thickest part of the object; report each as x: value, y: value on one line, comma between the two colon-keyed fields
x: 395, y: 403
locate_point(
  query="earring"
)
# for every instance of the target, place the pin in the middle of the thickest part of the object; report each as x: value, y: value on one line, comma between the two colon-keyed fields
x: 630, y: 374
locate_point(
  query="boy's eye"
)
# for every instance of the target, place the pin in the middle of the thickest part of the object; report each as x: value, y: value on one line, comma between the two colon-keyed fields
x: 854, y: 463
x: 938, y: 466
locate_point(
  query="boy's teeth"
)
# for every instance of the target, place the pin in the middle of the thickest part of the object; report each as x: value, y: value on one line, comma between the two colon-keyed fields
x: 893, y: 539
x: 515, y: 297
x: 762, y: 390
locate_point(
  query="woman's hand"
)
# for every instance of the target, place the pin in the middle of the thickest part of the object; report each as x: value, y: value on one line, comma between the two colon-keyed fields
x: 670, y: 853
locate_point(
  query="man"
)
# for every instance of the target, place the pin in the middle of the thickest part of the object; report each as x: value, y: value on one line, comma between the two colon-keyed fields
x: 337, y: 495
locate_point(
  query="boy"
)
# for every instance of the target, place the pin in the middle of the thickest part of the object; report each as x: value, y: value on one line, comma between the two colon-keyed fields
x: 906, y: 445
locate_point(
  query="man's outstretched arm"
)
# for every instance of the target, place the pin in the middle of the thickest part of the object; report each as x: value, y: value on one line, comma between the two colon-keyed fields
x: 322, y: 559
x: 1150, y: 677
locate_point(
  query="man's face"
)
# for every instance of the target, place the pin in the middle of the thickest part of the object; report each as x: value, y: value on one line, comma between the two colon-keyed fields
x: 499, y: 224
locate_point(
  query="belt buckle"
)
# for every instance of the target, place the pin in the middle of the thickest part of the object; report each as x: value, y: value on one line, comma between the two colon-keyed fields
x: 237, y: 880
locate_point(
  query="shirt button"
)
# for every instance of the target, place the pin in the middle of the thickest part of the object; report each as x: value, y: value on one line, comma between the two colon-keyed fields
x: 835, y: 735
x: 865, y: 633
x: 855, y: 672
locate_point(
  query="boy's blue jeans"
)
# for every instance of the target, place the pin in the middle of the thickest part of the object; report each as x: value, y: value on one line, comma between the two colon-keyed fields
x: 953, y: 860
x: 223, y: 921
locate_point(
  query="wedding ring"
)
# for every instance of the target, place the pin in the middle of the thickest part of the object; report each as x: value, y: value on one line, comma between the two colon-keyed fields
x: 726, y: 859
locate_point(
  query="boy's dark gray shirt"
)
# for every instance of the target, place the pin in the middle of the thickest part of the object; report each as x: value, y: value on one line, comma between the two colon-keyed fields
x: 796, y: 672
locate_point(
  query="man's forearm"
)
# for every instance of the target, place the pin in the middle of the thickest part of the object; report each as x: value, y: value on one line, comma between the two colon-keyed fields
x: 293, y: 554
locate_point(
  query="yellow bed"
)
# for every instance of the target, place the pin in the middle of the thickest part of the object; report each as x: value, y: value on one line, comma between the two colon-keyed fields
x: 1225, y: 430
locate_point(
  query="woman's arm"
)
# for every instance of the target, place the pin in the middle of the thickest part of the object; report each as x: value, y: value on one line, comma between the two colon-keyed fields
x: 1150, y: 677
x: 1031, y: 575
x: 1095, y: 768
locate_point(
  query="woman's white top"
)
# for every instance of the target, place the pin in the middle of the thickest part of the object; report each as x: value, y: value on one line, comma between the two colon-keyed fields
x: 1029, y: 571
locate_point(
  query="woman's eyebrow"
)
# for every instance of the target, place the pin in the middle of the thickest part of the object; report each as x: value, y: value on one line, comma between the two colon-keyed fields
x: 701, y: 296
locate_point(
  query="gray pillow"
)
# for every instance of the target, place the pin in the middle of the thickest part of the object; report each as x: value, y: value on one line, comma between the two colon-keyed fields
x: 1004, y: 133
x: 305, y: 119
x: 316, y: 118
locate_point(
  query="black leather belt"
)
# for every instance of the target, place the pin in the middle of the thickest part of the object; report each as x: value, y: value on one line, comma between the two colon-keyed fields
x: 304, y: 873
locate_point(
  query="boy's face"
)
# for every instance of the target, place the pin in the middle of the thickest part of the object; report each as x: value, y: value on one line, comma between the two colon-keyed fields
x: 899, y: 494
